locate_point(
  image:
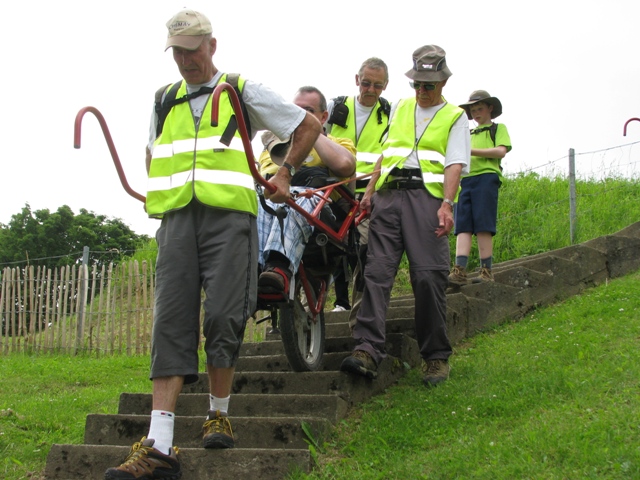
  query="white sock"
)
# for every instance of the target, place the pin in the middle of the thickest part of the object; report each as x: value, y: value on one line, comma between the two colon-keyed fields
x: 221, y: 404
x: 161, y: 430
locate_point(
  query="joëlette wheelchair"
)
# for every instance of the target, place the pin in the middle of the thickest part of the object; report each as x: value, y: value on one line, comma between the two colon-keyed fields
x: 299, y: 313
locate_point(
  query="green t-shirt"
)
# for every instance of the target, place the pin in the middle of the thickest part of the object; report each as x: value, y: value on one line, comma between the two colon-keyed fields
x: 481, y: 165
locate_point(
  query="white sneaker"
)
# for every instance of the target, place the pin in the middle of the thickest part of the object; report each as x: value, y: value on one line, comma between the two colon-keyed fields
x: 339, y: 308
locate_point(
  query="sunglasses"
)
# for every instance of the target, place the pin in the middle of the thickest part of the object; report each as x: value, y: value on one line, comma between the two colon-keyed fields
x: 367, y: 84
x: 426, y: 86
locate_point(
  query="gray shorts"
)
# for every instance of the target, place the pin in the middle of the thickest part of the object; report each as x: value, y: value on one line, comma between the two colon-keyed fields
x: 204, y: 255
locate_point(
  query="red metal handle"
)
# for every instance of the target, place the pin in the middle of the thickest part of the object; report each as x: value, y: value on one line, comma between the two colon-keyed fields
x: 627, y: 123
x: 112, y: 148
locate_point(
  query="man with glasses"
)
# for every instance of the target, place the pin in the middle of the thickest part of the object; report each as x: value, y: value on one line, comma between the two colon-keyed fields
x: 363, y: 119
x: 411, y: 203
x: 281, y: 247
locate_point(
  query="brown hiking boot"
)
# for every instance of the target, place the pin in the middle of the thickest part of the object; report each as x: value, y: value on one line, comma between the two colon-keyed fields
x: 216, y: 431
x: 360, y: 363
x: 485, y: 276
x: 435, y: 371
x: 146, y: 463
x: 458, y: 276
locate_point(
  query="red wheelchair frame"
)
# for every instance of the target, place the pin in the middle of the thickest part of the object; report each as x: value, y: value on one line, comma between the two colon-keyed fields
x: 302, y: 311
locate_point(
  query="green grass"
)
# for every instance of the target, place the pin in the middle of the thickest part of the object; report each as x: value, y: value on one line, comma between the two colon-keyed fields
x: 554, y: 396
x: 45, y: 400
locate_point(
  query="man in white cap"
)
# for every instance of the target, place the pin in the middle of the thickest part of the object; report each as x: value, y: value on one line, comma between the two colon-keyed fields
x: 423, y: 156
x: 203, y: 191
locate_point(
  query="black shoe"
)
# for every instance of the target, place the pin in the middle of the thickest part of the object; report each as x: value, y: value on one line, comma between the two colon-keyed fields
x: 360, y: 363
x: 274, y: 280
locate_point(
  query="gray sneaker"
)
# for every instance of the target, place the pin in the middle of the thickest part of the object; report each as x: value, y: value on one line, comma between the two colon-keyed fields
x: 484, y: 277
x: 458, y: 276
x: 360, y: 363
x: 435, y: 371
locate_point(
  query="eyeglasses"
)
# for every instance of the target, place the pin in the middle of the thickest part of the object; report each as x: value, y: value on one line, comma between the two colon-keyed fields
x: 367, y: 84
x: 426, y: 86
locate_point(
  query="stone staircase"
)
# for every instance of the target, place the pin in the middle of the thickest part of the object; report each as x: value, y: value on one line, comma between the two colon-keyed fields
x: 272, y: 407
x: 269, y: 406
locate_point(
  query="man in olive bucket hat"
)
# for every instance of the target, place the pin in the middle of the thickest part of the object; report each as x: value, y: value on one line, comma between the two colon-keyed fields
x: 477, y: 208
x: 413, y: 187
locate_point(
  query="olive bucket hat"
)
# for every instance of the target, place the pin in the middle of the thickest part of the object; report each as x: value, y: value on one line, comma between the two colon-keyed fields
x: 429, y: 65
x: 482, y: 96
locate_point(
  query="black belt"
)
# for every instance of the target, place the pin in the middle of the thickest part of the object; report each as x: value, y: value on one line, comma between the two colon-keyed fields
x: 404, y: 185
x: 405, y: 172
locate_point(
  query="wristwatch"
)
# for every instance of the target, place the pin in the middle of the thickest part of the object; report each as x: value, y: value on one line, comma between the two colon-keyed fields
x: 449, y: 202
x: 291, y: 168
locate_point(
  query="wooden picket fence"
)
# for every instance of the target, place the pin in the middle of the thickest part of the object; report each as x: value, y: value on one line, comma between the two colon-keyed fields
x: 105, y: 310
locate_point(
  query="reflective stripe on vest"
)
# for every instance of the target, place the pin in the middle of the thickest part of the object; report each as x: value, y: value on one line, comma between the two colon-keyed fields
x: 368, y: 145
x: 188, y: 164
x: 431, y: 149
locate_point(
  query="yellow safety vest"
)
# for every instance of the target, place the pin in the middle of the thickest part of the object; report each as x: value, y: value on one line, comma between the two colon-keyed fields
x: 368, y: 145
x: 431, y: 147
x: 189, y: 164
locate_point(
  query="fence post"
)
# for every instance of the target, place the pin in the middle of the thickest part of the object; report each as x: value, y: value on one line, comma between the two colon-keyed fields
x: 83, y: 287
x: 572, y: 195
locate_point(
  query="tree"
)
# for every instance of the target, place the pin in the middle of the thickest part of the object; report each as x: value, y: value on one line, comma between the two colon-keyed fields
x: 57, y: 239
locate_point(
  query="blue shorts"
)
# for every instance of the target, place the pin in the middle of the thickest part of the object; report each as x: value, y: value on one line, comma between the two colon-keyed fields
x: 477, y: 207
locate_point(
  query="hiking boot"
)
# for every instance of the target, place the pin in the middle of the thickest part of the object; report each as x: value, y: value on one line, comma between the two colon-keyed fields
x: 216, y: 431
x: 485, y: 276
x: 274, y: 280
x: 360, y: 363
x: 145, y: 462
x: 435, y: 371
x: 458, y: 276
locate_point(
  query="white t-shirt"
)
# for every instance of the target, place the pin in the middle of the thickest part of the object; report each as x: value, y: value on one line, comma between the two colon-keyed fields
x: 267, y: 109
x: 458, y: 144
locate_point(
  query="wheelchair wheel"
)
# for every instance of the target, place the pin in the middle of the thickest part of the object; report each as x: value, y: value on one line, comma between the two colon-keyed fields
x: 302, y: 338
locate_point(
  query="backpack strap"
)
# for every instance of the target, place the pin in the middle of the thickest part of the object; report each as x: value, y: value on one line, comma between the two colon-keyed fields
x: 493, y: 128
x: 162, y: 107
x: 233, y: 79
x: 492, y: 132
x: 385, y: 107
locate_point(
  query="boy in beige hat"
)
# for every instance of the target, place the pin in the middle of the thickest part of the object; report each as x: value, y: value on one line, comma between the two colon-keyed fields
x: 477, y: 208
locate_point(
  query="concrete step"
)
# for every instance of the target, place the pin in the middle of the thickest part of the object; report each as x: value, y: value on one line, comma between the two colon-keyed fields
x: 330, y: 406
x: 399, y: 324
x: 70, y: 462
x: 249, y: 432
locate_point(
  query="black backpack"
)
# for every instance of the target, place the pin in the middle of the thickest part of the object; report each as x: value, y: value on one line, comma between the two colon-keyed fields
x: 340, y: 111
x: 163, y: 107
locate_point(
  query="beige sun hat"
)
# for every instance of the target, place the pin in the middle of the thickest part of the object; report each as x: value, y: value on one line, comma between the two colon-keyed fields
x: 187, y: 29
x: 482, y: 96
x: 429, y: 65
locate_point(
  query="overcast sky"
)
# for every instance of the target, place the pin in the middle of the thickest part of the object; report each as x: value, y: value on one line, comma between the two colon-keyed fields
x: 567, y: 73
